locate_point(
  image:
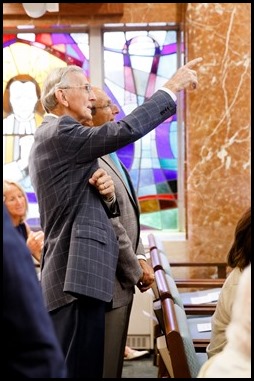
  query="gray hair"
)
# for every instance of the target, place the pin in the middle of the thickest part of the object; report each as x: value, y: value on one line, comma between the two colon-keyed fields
x: 56, y: 79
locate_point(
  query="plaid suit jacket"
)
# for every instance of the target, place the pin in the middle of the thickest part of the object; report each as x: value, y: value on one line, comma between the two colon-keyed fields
x: 81, y: 247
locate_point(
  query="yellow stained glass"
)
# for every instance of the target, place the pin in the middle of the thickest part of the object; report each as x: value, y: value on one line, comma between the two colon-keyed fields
x: 20, y: 58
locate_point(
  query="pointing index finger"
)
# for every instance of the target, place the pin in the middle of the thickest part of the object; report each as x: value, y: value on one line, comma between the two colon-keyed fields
x: 194, y: 62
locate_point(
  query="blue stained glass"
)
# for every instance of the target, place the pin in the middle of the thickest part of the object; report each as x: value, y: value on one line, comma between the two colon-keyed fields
x: 159, y: 176
x: 148, y: 60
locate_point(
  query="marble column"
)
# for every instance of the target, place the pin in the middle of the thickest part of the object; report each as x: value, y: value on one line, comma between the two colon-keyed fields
x: 217, y: 126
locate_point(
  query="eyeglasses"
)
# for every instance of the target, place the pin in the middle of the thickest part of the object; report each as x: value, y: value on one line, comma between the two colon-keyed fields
x: 86, y: 87
x: 111, y: 105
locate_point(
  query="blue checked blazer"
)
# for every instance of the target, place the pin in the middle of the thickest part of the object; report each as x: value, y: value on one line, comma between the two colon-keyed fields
x: 81, y: 247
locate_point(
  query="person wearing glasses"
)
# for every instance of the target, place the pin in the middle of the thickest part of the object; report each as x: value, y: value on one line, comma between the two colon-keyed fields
x: 132, y: 267
x: 81, y: 249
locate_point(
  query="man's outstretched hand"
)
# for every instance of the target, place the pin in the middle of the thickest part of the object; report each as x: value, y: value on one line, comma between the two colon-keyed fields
x: 185, y: 77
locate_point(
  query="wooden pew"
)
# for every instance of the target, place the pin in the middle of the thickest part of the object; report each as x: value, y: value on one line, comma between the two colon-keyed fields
x: 167, y: 289
x: 220, y: 266
x: 184, y: 362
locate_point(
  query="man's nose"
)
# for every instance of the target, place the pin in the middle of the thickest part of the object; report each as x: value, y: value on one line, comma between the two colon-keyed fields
x: 115, y: 109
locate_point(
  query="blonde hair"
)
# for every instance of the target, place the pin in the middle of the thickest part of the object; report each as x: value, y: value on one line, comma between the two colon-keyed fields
x: 6, y: 185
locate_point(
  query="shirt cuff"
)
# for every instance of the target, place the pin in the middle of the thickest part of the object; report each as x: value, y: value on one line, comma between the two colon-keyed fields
x: 110, y: 201
x: 173, y: 96
x: 140, y: 256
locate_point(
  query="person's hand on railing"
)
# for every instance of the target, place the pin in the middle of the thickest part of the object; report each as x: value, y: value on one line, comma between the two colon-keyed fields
x: 147, y: 278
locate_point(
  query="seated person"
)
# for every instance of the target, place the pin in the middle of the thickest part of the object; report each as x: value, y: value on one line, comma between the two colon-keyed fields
x: 234, y: 361
x: 239, y: 257
x: 16, y: 203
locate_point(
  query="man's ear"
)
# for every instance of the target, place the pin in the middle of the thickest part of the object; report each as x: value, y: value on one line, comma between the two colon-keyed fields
x: 60, y: 96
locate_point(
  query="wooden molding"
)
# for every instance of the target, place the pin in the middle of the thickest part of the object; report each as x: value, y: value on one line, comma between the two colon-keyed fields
x: 70, y: 9
x: 70, y: 15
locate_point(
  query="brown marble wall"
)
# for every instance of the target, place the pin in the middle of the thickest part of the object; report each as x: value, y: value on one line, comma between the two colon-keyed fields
x: 218, y: 126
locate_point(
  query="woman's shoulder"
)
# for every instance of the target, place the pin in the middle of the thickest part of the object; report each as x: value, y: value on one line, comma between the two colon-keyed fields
x: 233, y: 277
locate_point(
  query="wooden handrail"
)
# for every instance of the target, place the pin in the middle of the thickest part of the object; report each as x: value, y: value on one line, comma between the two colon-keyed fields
x: 168, y: 320
x: 151, y: 241
x: 157, y: 264
x: 164, y: 292
x: 174, y: 341
x: 221, y: 266
x: 200, y: 310
x: 200, y: 345
x: 200, y: 283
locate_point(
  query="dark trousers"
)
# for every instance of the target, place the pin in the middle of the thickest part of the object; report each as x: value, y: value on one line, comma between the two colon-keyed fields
x: 116, y: 330
x: 80, y: 328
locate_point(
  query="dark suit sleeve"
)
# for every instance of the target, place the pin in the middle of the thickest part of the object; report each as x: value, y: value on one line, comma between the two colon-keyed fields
x: 30, y: 348
x: 112, y: 210
x: 82, y: 142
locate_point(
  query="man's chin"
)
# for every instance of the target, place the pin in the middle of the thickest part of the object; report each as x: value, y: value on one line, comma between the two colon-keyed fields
x: 88, y: 122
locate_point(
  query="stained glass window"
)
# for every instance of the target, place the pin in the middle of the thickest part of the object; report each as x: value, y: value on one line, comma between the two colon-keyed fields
x: 136, y: 63
x: 26, y: 60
